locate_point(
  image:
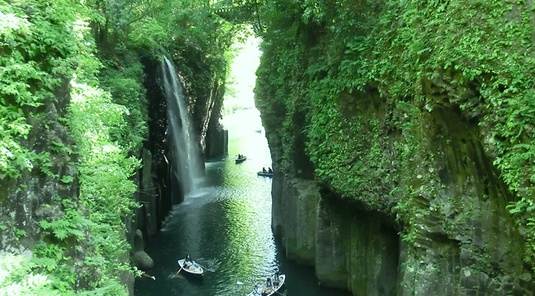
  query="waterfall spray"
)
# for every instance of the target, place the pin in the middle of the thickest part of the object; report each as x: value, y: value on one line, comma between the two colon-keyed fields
x: 186, y: 163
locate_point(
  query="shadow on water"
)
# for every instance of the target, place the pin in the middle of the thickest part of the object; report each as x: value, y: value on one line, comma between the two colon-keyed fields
x: 226, y: 227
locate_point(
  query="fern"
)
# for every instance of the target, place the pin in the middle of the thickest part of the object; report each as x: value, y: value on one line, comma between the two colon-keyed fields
x: 17, y: 278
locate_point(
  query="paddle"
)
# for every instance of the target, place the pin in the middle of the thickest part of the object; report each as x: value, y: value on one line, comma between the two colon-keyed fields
x: 178, y: 271
x: 149, y: 276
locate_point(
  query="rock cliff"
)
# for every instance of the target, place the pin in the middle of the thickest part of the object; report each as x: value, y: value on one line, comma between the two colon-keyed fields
x: 386, y: 176
x: 36, y: 194
x: 158, y: 190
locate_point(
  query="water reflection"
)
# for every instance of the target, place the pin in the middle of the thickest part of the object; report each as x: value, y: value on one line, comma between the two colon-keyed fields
x: 226, y: 227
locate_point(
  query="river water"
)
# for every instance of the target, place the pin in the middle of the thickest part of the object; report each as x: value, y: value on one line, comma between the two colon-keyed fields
x: 226, y: 227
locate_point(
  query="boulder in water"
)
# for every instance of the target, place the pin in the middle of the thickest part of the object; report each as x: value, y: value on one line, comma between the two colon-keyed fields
x: 143, y: 261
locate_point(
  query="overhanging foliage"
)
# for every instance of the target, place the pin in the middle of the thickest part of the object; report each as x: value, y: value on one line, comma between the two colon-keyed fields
x: 476, y: 54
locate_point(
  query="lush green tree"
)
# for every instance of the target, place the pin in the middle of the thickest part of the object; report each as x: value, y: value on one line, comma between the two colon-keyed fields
x: 42, y: 45
x: 320, y: 53
x: 16, y: 278
x: 94, y: 44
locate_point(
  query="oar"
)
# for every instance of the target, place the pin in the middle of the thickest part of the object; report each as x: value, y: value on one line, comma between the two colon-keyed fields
x: 149, y: 276
x: 178, y: 271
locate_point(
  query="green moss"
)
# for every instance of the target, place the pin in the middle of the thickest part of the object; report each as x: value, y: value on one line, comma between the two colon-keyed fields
x: 411, y: 57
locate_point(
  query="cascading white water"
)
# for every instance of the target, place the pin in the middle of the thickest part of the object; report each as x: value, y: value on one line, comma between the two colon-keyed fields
x: 183, y: 146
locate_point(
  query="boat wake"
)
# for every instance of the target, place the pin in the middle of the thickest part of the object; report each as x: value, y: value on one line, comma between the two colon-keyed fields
x: 211, y: 265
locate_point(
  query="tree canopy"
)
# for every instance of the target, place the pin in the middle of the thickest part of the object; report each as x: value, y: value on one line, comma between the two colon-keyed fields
x: 92, y: 49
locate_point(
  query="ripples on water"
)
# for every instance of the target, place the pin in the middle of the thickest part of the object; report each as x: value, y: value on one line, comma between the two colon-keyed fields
x: 226, y: 227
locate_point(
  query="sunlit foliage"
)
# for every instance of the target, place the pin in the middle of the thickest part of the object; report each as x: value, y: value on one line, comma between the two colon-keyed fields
x: 35, y: 50
x: 96, y: 45
x: 43, y: 44
x: 16, y: 278
x: 317, y: 51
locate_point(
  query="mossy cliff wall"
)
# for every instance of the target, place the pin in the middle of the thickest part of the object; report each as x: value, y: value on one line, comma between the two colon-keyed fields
x: 73, y: 128
x: 402, y: 165
x: 36, y: 194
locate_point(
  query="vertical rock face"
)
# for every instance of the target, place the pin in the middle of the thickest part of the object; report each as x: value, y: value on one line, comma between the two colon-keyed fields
x: 157, y: 188
x: 385, y: 110
x: 350, y: 248
x: 295, y: 219
x: 35, y: 195
x: 457, y: 238
x: 156, y: 197
x: 464, y: 240
x: 40, y: 193
x: 214, y: 138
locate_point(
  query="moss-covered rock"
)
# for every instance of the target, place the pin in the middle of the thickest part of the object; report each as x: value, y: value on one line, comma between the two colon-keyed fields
x: 413, y: 113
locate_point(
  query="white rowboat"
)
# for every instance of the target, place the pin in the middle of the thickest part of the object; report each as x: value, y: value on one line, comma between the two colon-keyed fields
x: 192, y: 268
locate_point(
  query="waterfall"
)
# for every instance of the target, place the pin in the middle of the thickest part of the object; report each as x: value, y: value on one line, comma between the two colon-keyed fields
x: 185, y: 163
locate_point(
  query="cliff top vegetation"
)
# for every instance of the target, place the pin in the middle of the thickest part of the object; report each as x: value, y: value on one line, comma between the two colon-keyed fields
x: 325, y: 64
x: 73, y: 117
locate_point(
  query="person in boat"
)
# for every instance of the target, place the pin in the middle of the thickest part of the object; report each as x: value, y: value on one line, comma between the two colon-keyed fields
x: 276, y: 279
x: 267, y: 287
x: 264, y: 170
x: 188, y: 262
x: 270, y: 171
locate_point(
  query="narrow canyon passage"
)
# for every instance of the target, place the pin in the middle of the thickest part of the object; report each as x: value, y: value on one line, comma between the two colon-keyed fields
x: 226, y: 227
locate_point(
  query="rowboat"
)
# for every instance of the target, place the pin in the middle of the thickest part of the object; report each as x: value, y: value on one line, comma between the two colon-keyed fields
x: 264, y: 290
x: 265, y: 174
x: 241, y: 159
x: 192, y: 268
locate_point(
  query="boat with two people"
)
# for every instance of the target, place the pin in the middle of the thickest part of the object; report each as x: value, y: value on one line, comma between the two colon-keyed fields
x: 190, y: 266
x: 265, y: 173
x: 270, y: 286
